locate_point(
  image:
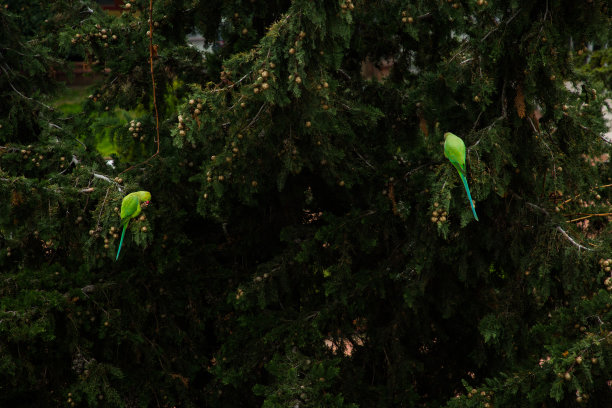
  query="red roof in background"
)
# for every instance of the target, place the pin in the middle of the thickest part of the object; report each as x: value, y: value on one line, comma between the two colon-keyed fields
x: 110, y: 4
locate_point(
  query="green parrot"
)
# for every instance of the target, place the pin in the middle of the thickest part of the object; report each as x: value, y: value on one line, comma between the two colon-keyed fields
x: 130, y: 208
x: 454, y: 150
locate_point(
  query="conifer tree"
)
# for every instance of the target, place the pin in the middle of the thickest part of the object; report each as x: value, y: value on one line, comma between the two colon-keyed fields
x: 308, y: 244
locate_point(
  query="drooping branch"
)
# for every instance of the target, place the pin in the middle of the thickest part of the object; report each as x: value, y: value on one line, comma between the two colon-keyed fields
x: 570, y: 239
x: 587, y: 216
x: 152, y: 52
x: 557, y: 227
x: 22, y: 95
x: 108, y: 180
x: 592, y: 189
x: 151, y: 49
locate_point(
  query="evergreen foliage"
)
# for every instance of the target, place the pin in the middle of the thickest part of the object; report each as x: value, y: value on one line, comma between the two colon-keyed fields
x: 307, y: 245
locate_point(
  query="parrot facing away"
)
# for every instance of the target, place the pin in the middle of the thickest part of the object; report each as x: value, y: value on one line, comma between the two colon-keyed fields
x: 131, y: 206
x: 454, y: 150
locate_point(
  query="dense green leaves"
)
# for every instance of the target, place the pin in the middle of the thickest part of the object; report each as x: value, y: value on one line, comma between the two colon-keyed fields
x: 307, y: 244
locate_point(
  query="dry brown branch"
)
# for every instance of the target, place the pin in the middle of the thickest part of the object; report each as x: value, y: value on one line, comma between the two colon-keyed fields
x: 152, y: 52
x: 519, y: 102
x: 589, y: 216
x: 578, y: 195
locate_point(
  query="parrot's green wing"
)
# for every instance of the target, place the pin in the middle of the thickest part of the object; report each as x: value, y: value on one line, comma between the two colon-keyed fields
x: 454, y: 150
x: 130, y: 207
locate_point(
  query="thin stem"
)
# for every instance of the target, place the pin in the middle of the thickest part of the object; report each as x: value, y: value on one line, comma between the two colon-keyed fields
x: 152, y: 74
x: 151, y: 49
x: 589, y: 216
x: 578, y: 195
x: 22, y: 95
x: 570, y: 239
x: 558, y: 227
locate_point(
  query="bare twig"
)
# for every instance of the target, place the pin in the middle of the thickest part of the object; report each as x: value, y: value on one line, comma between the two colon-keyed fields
x: 593, y: 132
x: 532, y: 205
x: 500, y: 24
x: 20, y: 53
x: 461, y: 49
x: 82, y: 144
x: 532, y: 125
x: 363, y: 158
x: 108, y: 180
x: 153, y: 74
x: 151, y: 49
x: 418, y: 168
x: 237, y: 102
x: 345, y: 74
x: 74, y: 161
x: 233, y: 84
x: 503, y: 101
x: 255, y: 117
x: 484, y: 130
x: 570, y: 239
x: 592, y: 189
x: 477, y: 120
x: 584, y: 217
x: 22, y: 95
x: 102, y: 207
x: 504, y: 115
x: 558, y: 227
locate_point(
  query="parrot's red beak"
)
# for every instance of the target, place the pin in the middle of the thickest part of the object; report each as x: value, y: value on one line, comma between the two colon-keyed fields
x: 146, y: 203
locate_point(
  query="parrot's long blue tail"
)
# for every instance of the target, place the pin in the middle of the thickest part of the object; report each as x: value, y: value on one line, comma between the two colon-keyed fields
x: 467, y: 189
x: 123, y: 233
